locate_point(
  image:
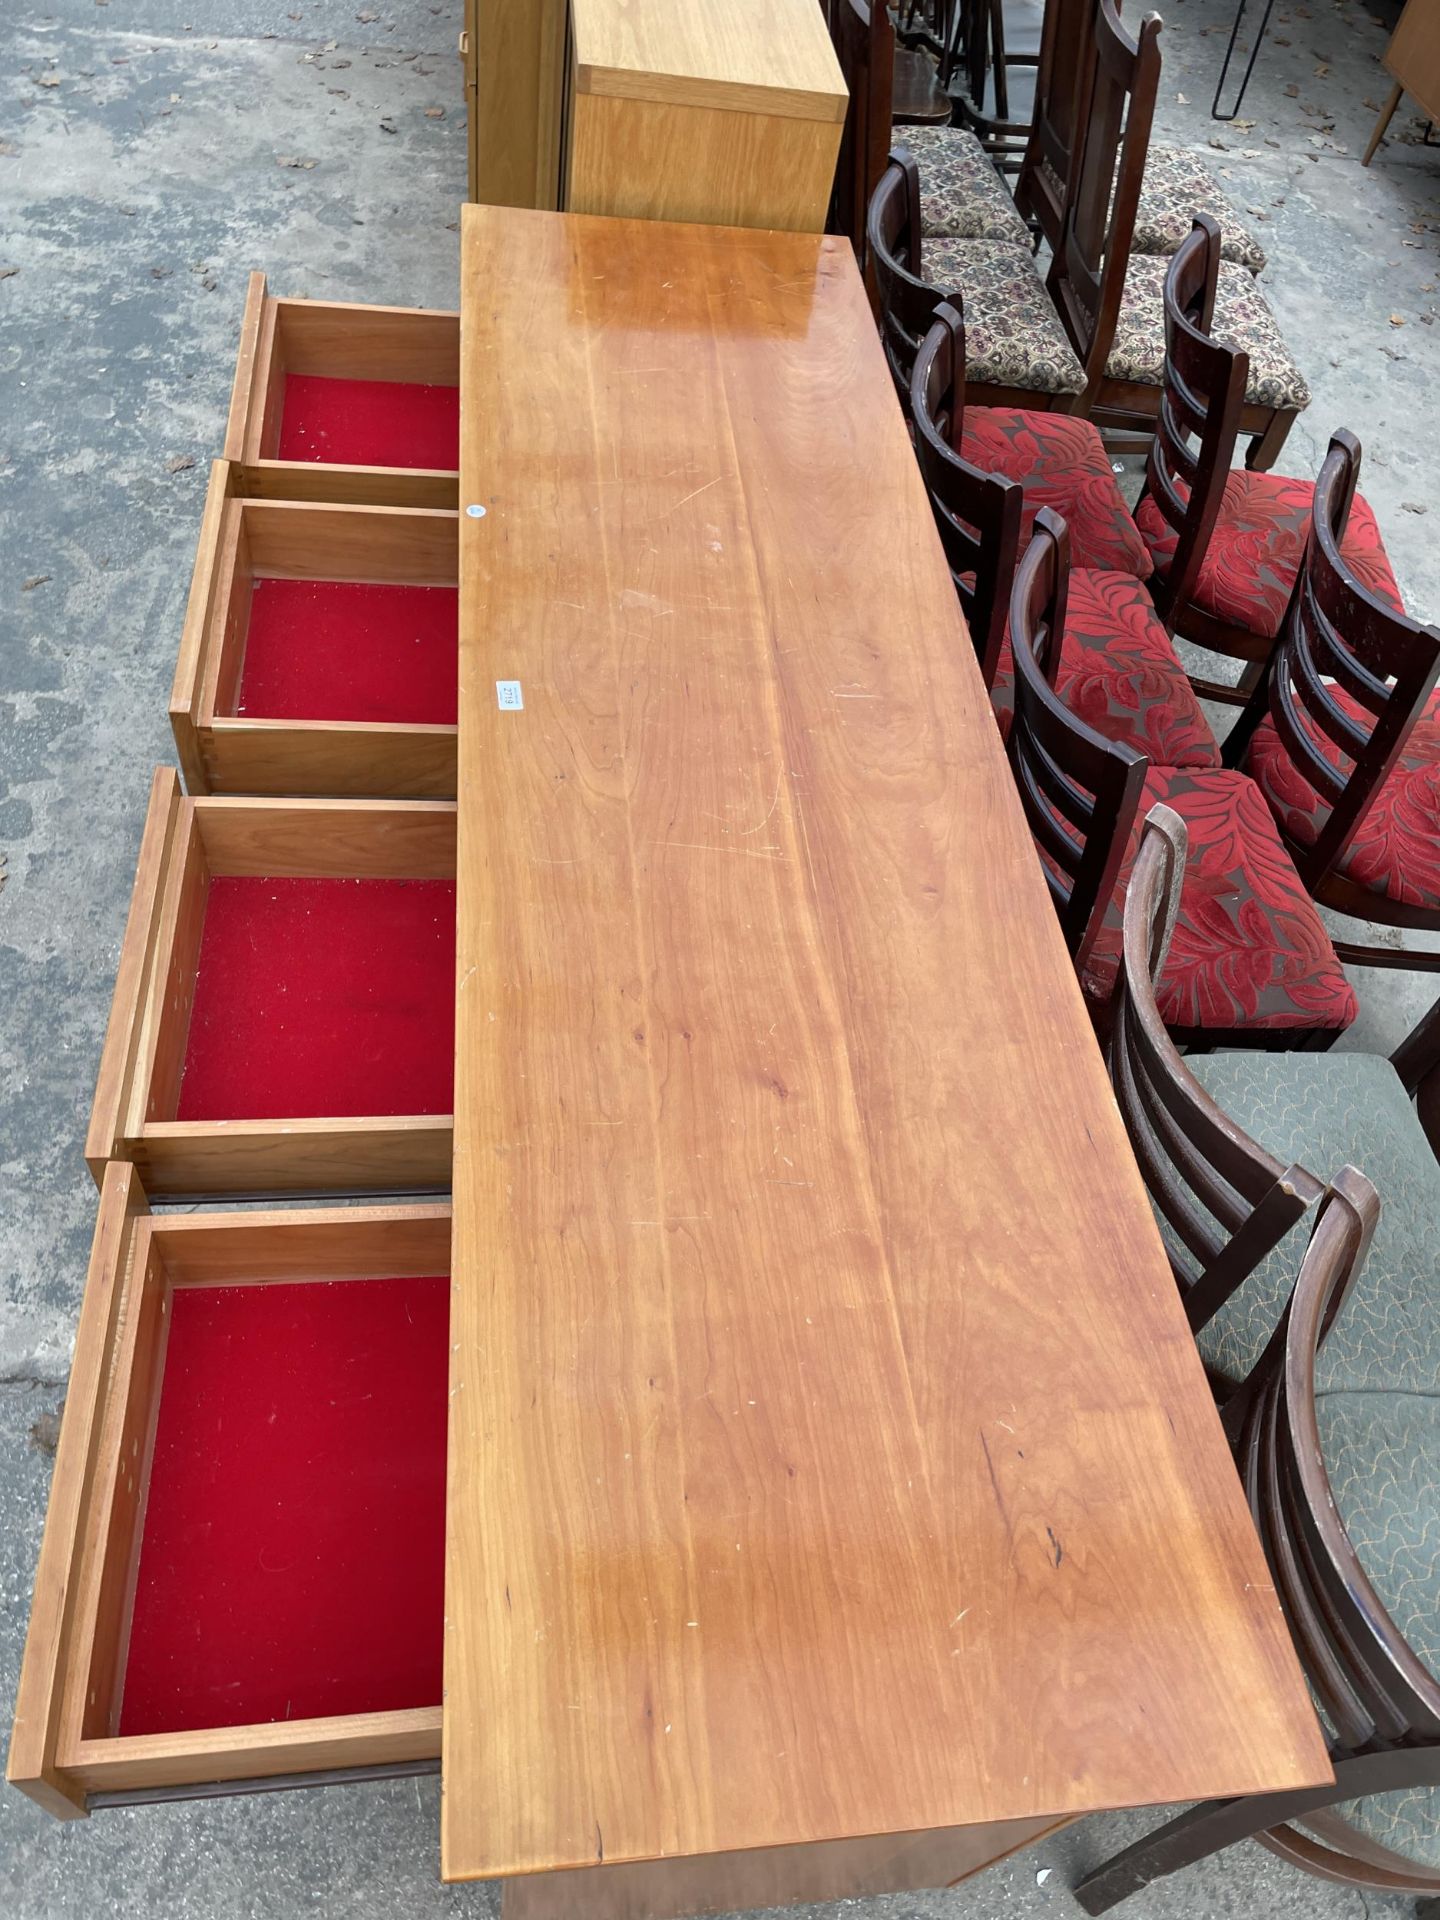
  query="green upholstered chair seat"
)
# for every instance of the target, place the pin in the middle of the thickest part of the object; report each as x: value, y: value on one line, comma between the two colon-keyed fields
x: 1382, y: 1452
x: 1324, y: 1110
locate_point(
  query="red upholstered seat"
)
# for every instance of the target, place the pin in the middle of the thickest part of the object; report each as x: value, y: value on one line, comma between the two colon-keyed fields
x: 1249, y: 949
x: 1061, y: 463
x: 1119, y: 674
x: 1255, y: 551
x: 1395, y: 850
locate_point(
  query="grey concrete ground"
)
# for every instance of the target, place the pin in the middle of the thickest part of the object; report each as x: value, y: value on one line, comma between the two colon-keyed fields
x: 147, y: 161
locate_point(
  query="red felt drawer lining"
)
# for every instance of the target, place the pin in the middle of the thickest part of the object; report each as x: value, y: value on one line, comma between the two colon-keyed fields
x: 343, y: 650
x: 369, y: 423
x: 318, y: 998
x: 292, y: 1561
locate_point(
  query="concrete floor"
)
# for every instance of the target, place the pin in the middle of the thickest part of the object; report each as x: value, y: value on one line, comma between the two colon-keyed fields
x: 136, y: 194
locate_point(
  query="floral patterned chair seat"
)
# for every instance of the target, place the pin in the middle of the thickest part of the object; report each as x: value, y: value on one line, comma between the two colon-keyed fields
x: 1061, y: 462
x: 1118, y: 672
x: 1395, y: 850
x: 1176, y: 187
x: 1255, y: 551
x: 1327, y: 1110
x: 961, y: 194
x: 1242, y: 319
x: 1013, y: 335
x: 1249, y: 949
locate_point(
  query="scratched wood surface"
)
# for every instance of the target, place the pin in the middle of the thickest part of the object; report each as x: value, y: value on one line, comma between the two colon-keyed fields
x: 828, y: 1453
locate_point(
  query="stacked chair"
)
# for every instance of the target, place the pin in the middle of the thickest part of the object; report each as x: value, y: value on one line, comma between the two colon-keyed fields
x: 1342, y: 735
x: 1311, y: 1290
x: 1251, y: 963
x: 1087, y: 336
x: 1188, y: 883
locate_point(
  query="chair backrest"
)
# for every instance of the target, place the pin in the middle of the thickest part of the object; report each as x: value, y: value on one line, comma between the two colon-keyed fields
x: 1114, y: 111
x: 977, y: 514
x: 1337, y: 637
x: 1080, y: 792
x: 864, y: 41
x: 1067, y: 47
x: 906, y: 303
x: 1226, y: 1201
x: 1372, y: 1688
x: 1201, y: 394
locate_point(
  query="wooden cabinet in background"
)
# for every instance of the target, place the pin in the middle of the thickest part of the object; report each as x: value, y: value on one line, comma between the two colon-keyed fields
x: 514, y: 53
x: 730, y: 116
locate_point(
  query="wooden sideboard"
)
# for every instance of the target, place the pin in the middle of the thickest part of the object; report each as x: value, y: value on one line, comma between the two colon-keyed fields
x: 835, y: 1497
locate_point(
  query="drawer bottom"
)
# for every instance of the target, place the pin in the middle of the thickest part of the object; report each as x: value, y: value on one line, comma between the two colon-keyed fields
x: 242, y: 1576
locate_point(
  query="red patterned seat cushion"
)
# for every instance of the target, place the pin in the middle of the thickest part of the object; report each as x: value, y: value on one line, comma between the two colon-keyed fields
x: 1119, y: 673
x: 1249, y: 949
x: 1255, y: 551
x: 1395, y: 850
x: 1061, y: 463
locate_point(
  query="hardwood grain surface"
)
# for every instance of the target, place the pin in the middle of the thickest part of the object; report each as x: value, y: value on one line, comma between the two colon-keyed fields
x: 770, y: 56
x: 828, y: 1453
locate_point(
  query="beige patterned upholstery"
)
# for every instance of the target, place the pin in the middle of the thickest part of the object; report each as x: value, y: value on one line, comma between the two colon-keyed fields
x: 961, y: 195
x: 1242, y: 319
x: 1013, y: 335
x: 1177, y: 186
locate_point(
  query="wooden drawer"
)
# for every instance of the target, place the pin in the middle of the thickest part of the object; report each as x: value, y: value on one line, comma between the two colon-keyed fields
x: 284, y: 1007
x: 319, y: 654
x: 337, y: 402
x: 243, y: 1564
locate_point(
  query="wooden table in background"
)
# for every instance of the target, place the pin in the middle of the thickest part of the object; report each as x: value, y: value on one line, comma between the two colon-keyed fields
x: 1413, y: 59
x: 835, y: 1497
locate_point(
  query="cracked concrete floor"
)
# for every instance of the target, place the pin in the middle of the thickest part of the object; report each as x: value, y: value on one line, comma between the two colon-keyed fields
x: 147, y: 162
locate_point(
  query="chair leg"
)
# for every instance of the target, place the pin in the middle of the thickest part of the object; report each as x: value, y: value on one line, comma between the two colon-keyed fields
x: 1387, y: 114
x: 1191, y: 1836
x: 997, y: 57
x: 1264, y: 448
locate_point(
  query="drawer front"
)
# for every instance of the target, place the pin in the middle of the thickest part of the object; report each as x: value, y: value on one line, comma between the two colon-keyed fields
x: 319, y: 654
x: 283, y: 1012
x: 346, y: 403
x: 268, y: 1603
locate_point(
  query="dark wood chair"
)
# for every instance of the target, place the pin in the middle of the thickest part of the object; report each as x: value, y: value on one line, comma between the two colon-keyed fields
x: 1230, y: 1146
x: 977, y: 515
x: 1251, y: 963
x: 1176, y: 184
x: 864, y: 44
x: 1112, y: 301
x: 904, y: 302
x: 1226, y: 1203
x: 1110, y: 356
x: 1196, y: 427
x: 1115, y: 666
x: 885, y: 89
x: 980, y: 49
x: 1342, y: 736
x: 1059, y: 460
x: 1341, y: 1484
x: 1067, y: 44
x: 1226, y: 545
